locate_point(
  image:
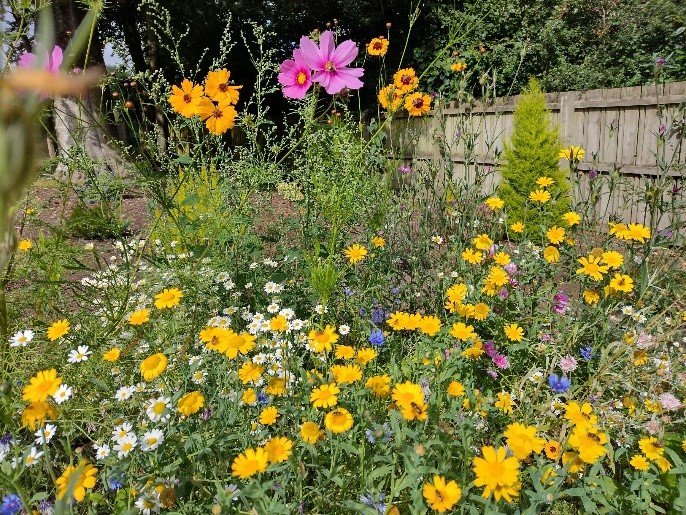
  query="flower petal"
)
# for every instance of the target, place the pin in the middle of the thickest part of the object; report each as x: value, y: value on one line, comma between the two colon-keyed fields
x: 327, y: 45
x: 311, y: 54
x: 345, y: 53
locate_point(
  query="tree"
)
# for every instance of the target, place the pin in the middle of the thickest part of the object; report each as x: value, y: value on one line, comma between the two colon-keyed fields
x: 532, y: 153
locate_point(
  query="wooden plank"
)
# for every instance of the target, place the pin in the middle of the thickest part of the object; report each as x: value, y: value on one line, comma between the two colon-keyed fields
x: 629, y: 141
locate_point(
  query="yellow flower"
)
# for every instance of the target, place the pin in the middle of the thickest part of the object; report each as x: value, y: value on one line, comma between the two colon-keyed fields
x: 481, y: 311
x: 417, y: 104
x: 522, y: 440
x: 541, y: 196
x: 551, y: 254
x: 571, y: 218
x: 250, y: 371
x: 482, y: 242
x: 572, y: 153
x: 556, y: 235
x: 494, y: 203
x: 497, y: 474
x: 649, y: 447
x: 112, y: 355
x: 517, y: 227
x: 185, y: 100
x: 502, y: 258
x: 41, y: 386
x: 219, y: 117
x: 24, y: 245
x: 505, y: 402
x: 544, y: 181
x: 153, y: 366
x: 591, y: 297
x: 310, y: 432
x: 378, y: 242
x: 249, y: 396
x: 552, y: 449
x: 456, y: 389
x: 339, y: 420
x: 475, y: 351
x: 344, y: 352
x: 323, y: 340
x: 355, y: 253
x: 405, y: 80
x: 591, y: 267
x: 581, y: 416
x: 36, y: 414
x: 613, y: 259
x: 472, y: 257
x: 278, y: 449
x: 575, y: 463
x: 430, y: 325
x: 514, y: 332
x: 589, y: 442
x: 441, y: 496
x: 168, y: 298
x: 217, y: 87
x: 58, y: 329
x: 278, y: 324
x: 664, y: 464
x: 408, y: 393
x: 268, y: 416
x: 249, y: 463
x: 365, y: 355
x: 139, y: 317
x: 462, y: 332
x: 378, y: 46
x: 379, y: 385
x: 458, y: 67
x: 639, y: 462
x: 640, y: 357
x: 76, y: 479
x: 191, y: 403
x: 325, y: 396
x: 390, y: 98
x: 622, y: 282
x: 346, y: 373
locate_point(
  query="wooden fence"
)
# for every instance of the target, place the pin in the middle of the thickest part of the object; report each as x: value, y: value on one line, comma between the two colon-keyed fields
x: 618, y: 128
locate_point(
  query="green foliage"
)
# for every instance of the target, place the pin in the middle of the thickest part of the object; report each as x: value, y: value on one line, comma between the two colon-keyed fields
x: 98, y: 221
x: 532, y: 153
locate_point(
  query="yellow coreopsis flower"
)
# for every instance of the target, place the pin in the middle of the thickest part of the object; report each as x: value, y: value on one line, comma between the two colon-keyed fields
x: 191, y: 403
x: 153, y: 366
x: 378, y: 46
x: 185, y: 100
x: 571, y: 218
x: 168, y: 298
x: 405, y: 80
x: 441, y: 495
x: 217, y: 87
x: 541, y: 196
x: 522, y: 440
x: 505, y: 402
x: 494, y: 203
x: 514, y: 332
x: 355, y: 253
x: 498, y: 474
x: 517, y: 227
x: 339, y: 420
x: 556, y: 235
x: 418, y: 104
x: 78, y: 479
x: 41, y: 386
x: 24, y: 245
x: 58, y: 329
x: 249, y: 463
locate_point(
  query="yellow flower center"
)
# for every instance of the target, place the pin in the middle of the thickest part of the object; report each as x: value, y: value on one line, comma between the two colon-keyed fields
x: 330, y: 66
x: 301, y: 78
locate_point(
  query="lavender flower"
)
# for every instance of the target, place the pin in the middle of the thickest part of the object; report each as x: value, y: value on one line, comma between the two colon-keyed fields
x: 378, y: 315
x: 586, y: 353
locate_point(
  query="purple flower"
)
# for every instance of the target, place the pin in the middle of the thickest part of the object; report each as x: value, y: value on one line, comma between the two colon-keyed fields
x: 501, y: 361
x: 492, y: 373
x: 404, y: 169
x: 561, y: 305
x: 662, y: 129
x: 378, y: 315
x: 660, y: 61
x: 592, y: 174
x: 50, y: 63
x: 503, y: 293
x: 330, y: 63
x: 510, y: 268
x: 586, y: 353
x: 10, y: 505
x: 559, y: 384
x: 489, y: 348
x: 295, y: 76
x: 377, y: 338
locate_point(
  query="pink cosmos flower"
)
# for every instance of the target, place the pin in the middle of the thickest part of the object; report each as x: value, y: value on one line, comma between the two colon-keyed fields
x: 295, y: 76
x: 50, y: 63
x: 330, y: 63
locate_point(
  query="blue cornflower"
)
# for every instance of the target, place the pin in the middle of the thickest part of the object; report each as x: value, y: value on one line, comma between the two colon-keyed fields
x: 369, y: 435
x: 559, y: 384
x: 263, y: 399
x: 375, y: 502
x: 348, y: 291
x: 586, y: 353
x: 10, y: 505
x: 378, y: 315
x: 377, y: 338
x: 363, y: 311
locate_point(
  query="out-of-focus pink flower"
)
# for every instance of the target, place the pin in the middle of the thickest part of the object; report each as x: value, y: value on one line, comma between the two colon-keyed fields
x: 501, y: 361
x: 50, y: 63
x: 330, y: 63
x: 295, y: 76
x: 568, y: 363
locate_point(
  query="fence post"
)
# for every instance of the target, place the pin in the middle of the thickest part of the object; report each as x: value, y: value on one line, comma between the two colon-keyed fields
x: 567, y: 100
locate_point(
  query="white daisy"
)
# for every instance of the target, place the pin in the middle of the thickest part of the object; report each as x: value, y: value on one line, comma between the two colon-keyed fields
x: 152, y: 440
x: 148, y: 503
x: 21, y: 338
x: 80, y: 354
x: 32, y: 457
x: 230, y: 310
x: 628, y: 310
x: 271, y: 287
x: 158, y: 409
x: 320, y: 309
x: 229, y: 285
x: 344, y: 329
x: 121, y: 431
x: 273, y: 307
x: 297, y: 324
x: 199, y: 376
x: 45, y: 434
x: 194, y: 360
x: 222, y: 277
x: 287, y: 313
x: 437, y: 239
x: 101, y: 451
x: 63, y: 393
x: 126, y: 445
x: 125, y: 392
